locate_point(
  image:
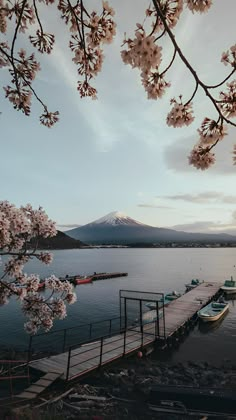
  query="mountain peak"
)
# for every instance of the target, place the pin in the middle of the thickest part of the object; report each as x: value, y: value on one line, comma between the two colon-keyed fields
x: 116, y: 218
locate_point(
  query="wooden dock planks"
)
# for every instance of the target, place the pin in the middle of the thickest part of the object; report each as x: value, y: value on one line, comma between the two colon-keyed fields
x: 184, y: 308
x: 35, y: 389
x: 87, y: 357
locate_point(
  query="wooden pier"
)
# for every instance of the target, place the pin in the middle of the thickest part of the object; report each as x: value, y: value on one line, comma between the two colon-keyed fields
x: 79, y: 360
x: 103, y: 276
x: 76, y: 280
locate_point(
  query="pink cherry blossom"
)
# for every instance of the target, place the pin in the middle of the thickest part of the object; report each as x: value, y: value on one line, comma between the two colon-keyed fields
x: 142, y: 52
x: 48, y: 119
x: 71, y: 298
x: 181, y: 114
x: 229, y: 57
x: 201, y: 158
x: 45, y: 257
x: 89, y: 31
x: 171, y: 10
x: 20, y: 229
x: 154, y: 84
x: 201, y: 6
x: 85, y: 89
x: 43, y: 41
x: 211, y: 131
x: 228, y: 100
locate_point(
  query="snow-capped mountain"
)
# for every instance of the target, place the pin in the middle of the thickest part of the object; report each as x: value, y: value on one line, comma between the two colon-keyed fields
x: 116, y: 218
x: 118, y: 229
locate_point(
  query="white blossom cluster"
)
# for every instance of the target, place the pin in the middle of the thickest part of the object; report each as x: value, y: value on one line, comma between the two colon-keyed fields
x: 89, y: 32
x: 181, y: 114
x: 20, y: 229
x: 228, y: 100
x: 201, y: 158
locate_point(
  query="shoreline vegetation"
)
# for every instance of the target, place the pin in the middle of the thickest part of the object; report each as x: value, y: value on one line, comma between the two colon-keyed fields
x: 63, y: 241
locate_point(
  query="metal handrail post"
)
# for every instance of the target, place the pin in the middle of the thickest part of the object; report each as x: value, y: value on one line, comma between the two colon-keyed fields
x: 164, y: 322
x: 68, y: 364
x: 101, y: 348
x: 125, y: 314
x: 158, y: 319
x: 30, y: 349
x: 141, y: 315
x: 64, y: 340
x: 120, y: 306
x: 124, y: 342
x: 142, y: 336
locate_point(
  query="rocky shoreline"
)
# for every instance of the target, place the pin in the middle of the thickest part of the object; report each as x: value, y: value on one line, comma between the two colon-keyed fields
x: 120, y: 391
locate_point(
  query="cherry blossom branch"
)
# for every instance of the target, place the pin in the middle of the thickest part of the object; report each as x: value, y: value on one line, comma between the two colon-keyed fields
x: 37, y: 16
x: 17, y: 27
x: 221, y: 83
x: 160, y: 36
x: 83, y: 36
x: 194, y: 93
x: 171, y: 62
x: 76, y: 18
x: 17, y: 227
x: 157, y: 6
x: 13, y: 45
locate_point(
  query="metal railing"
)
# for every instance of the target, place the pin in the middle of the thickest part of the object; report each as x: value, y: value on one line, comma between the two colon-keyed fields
x: 93, y: 337
x: 142, y: 335
x: 58, y: 341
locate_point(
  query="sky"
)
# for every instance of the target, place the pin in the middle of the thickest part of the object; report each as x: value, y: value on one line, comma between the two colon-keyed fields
x: 117, y: 153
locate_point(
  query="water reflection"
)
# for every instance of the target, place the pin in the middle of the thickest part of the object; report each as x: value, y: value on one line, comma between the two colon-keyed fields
x: 231, y: 298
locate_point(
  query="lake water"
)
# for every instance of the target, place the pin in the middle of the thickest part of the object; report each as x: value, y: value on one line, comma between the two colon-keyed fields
x: 155, y: 270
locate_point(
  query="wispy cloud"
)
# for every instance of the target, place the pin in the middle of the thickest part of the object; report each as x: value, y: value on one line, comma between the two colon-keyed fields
x: 154, y: 206
x: 200, y: 227
x: 69, y: 225
x: 204, y: 197
x: 207, y: 226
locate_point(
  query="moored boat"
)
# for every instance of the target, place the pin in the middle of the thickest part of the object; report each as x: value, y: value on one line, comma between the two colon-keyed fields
x: 151, y: 316
x: 194, y: 283
x: 167, y: 299
x: 213, y: 311
x: 229, y: 286
x: 173, y: 295
x: 84, y: 280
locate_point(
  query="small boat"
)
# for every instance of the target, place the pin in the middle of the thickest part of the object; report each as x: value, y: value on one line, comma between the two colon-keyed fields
x: 153, y: 305
x: 229, y: 286
x: 167, y: 299
x: 83, y: 280
x: 151, y: 316
x: 213, y: 311
x: 173, y: 295
x: 194, y: 283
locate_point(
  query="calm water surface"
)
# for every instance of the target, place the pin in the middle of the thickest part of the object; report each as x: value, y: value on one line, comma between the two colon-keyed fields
x: 155, y: 270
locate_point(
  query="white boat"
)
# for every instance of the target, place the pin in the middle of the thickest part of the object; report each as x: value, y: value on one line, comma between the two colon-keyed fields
x: 213, y: 311
x: 229, y: 286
